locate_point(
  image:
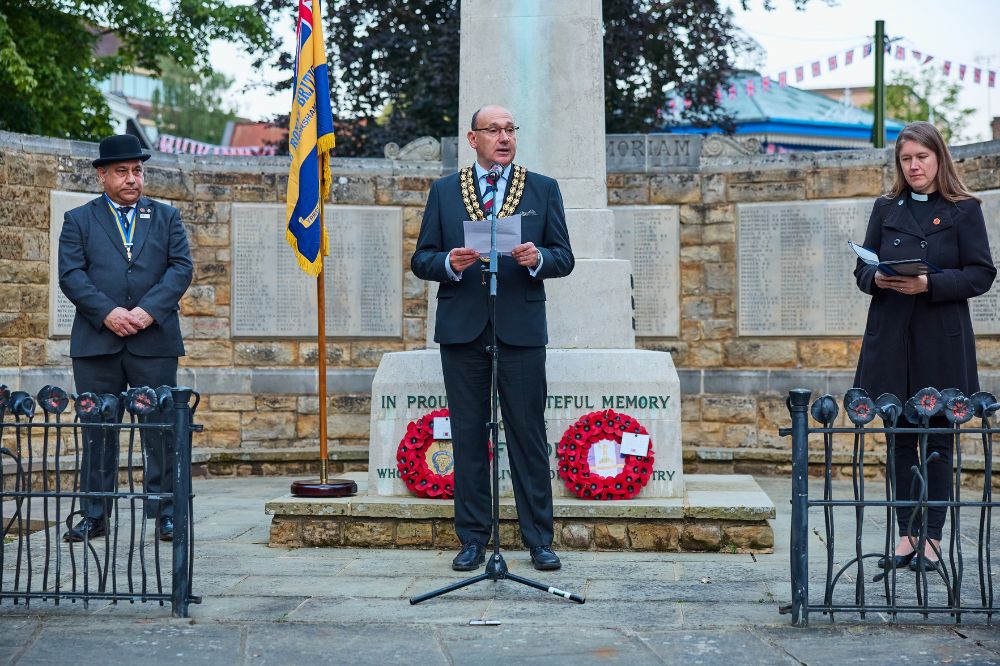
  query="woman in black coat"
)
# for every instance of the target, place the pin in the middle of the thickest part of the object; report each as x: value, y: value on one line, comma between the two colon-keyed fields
x: 919, y: 332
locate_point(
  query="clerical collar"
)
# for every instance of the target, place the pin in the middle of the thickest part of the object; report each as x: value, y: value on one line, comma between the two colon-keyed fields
x: 917, y: 196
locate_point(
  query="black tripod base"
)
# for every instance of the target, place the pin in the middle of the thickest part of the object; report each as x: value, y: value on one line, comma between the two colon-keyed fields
x: 496, y: 569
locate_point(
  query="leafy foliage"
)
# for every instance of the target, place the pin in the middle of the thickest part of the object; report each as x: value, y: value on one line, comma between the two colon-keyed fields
x: 192, y: 104
x: 927, y: 96
x: 395, y: 65
x: 49, y: 69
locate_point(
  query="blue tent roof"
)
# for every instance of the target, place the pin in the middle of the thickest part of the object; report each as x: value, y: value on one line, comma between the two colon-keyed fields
x: 792, y: 116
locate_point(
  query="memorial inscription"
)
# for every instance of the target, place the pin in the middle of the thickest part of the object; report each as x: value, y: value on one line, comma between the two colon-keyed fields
x: 272, y: 297
x: 795, y: 271
x: 649, y: 237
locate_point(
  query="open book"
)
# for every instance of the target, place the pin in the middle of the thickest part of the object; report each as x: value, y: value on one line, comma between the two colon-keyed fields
x: 904, y: 267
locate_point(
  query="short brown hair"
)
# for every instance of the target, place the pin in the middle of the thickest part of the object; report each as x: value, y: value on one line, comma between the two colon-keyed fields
x: 947, y: 180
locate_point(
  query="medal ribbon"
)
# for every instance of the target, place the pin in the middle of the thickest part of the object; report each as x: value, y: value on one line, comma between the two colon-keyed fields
x: 125, y: 230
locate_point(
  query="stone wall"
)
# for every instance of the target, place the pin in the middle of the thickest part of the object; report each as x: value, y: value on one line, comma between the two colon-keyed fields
x: 259, y: 395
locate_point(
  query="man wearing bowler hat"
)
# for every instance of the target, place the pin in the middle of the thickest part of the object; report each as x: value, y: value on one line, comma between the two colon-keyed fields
x: 124, y: 263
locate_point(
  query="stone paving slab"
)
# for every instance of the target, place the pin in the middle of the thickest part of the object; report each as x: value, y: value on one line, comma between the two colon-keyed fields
x: 266, y: 605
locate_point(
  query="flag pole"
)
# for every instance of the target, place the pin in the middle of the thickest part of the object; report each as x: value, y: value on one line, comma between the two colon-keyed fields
x: 321, y: 341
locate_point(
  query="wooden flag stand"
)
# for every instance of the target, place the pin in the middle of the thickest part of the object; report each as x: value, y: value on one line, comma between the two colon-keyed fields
x: 324, y: 486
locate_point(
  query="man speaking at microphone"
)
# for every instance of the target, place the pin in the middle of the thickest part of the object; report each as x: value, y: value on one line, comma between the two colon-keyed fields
x: 464, y: 329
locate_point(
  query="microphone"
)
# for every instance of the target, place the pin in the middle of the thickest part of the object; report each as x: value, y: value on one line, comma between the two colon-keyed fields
x: 495, y: 172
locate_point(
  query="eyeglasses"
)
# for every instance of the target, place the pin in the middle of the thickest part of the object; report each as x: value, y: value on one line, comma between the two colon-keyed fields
x: 494, y: 132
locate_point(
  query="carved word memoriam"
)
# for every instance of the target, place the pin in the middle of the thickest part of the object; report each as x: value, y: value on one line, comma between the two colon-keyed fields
x: 649, y: 237
x: 272, y: 297
x: 796, y: 271
x: 637, y: 153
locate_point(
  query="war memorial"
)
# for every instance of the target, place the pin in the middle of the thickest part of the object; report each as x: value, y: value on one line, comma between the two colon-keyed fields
x: 710, y: 281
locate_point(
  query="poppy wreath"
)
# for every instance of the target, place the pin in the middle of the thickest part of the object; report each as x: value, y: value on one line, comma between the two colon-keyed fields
x: 573, y: 454
x: 411, y: 460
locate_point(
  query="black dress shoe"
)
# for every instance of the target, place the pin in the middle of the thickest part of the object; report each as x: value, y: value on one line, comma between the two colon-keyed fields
x: 88, y: 527
x: 165, y: 528
x: 544, y: 559
x: 897, y: 562
x: 928, y: 565
x: 470, y: 558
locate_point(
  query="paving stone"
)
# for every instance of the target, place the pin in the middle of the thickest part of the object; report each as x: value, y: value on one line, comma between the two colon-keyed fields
x: 295, y: 644
x: 693, y: 648
x: 150, y: 642
x: 519, y: 644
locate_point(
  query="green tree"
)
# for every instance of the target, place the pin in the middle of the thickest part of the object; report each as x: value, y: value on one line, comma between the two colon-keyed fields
x: 50, y: 70
x: 395, y: 65
x: 192, y: 103
x: 928, y: 96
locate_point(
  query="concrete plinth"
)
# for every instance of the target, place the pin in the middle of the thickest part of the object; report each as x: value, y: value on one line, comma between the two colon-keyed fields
x: 642, y: 384
x: 717, y: 513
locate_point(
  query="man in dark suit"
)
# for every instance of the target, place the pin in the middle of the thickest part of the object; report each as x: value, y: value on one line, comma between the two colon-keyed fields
x: 464, y: 329
x: 124, y: 263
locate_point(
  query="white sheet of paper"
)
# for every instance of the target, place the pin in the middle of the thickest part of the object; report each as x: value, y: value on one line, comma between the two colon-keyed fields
x: 442, y: 427
x: 477, y: 235
x: 634, y: 444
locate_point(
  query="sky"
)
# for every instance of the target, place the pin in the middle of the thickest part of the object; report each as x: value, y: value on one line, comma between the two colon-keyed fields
x: 962, y: 31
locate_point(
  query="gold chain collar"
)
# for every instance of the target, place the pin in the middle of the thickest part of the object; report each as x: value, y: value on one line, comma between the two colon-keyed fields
x: 470, y: 195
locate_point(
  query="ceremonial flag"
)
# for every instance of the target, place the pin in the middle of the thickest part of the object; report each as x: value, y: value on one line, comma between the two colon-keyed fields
x: 750, y: 88
x: 916, y: 55
x: 900, y: 53
x: 848, y: 57
x: 765, y: 84
x: 992, y: 79
x: 310, y: 140
x: 961, y: 72
x: 799, y: 74
x: 977, y: 75
x: 832, y: 62
x: 866, y: 50
x: 783, y: 79
x: 815, y: 68
x: 947, y: 67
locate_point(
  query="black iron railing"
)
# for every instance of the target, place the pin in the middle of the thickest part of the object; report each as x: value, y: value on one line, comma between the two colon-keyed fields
x: 41, y: 497
x: 845, y: 586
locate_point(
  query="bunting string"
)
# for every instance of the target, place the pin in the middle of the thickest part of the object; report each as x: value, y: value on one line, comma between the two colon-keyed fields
x: 179, y: 145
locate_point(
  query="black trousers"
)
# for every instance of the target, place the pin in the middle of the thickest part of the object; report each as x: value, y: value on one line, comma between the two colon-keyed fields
x: 939, y: 479
x: 113, y: 373
x: 467, y: 371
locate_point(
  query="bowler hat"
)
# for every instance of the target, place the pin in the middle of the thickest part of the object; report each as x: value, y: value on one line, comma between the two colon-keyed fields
x: 120, y: 148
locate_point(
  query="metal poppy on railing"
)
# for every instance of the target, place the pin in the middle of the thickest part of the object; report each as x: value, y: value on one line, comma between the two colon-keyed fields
x: 984, y: 404
x: 889, y: 408
x: 958, y: 409
x: 824, y: 409
x: 859, y: 406
x: 22, y: 404
x: 87, y: 404
x: 141, y: 401
x: 53, y: 399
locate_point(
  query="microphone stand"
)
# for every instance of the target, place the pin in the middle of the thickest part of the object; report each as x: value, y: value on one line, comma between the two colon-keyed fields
x: 496, y: 566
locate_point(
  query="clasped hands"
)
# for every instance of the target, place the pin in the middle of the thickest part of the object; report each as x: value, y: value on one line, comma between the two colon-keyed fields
x: 904, y: 285
x: 124, y: 322
x: 525, y: 254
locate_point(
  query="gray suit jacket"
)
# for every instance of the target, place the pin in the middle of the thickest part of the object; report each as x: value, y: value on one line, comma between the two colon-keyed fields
x: 96, y: 276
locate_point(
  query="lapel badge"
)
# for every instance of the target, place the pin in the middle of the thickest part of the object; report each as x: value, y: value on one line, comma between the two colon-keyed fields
x: 144, y: 212
x: 937, y: 220
x: 900, y: 203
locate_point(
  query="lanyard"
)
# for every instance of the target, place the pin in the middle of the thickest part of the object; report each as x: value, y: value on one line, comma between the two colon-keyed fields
x: 125, y: 230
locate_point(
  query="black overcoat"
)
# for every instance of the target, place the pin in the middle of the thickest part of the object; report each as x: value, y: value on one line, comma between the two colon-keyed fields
x: 912, y: 342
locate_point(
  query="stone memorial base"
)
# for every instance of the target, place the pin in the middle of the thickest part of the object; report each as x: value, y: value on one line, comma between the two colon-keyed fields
x: 717, y: 513
x: 640, y: 383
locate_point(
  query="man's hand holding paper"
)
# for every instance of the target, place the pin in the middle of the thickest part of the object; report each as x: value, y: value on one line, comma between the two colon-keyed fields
x: 477, y: 235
